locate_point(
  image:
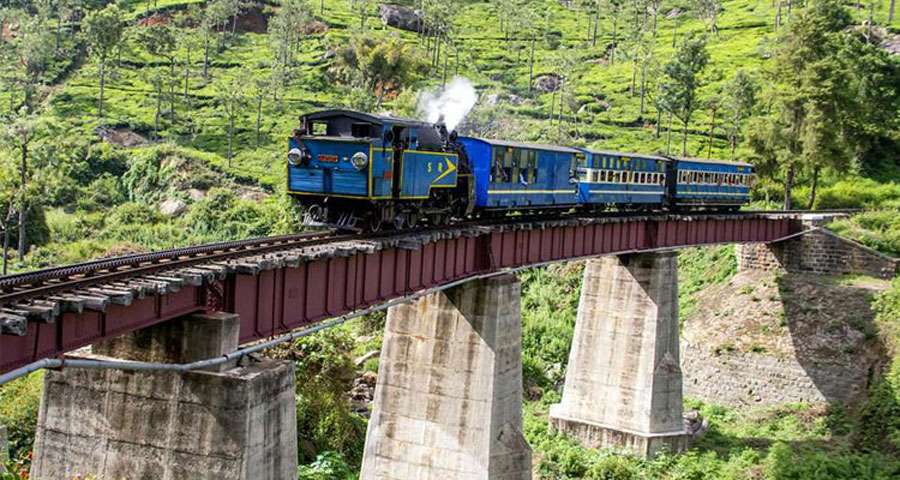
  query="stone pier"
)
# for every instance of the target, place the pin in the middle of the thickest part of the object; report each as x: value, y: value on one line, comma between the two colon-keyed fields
x: 233, y: 422
x: 4, y: 447
x: 448, y: 403
x: 623, y: 382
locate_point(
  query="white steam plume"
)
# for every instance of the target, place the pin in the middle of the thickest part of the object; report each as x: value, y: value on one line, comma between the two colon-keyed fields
x: 450, y: 104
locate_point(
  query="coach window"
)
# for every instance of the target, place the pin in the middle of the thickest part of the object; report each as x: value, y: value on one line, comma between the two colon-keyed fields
x: 497, y: 171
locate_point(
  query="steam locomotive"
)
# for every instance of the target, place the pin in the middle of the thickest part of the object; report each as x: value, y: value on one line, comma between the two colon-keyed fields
x: 366, y: 172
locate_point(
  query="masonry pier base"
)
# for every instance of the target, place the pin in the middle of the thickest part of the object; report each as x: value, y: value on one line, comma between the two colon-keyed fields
x: 236, y: 422
x: 448, y: 403
x: 4, y: 447
x: 623, y: 382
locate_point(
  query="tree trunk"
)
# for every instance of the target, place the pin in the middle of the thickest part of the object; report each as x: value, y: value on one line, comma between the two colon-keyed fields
x: 684, y: 135
x: 444, y: 77
x: 789, y: 187
x: 58, y: 28
x: 321, y: 7
x: 531, y: 65
x: 552, y: 105
x: 633, y: 77
x: 6, y: 242
x: 712, y: 129
x: 814, y: 188
x: 259, y: 100
x: 891, y: 12
x: 778, y: 15
x: 643, y: 87
x: 230, y: 137
x: 658, y: 120
x: 102, y: 86
x: 596, y: 27
x: 674, y: 32
x: 158, y: 107
x: 187, y: 77
x: 669, y: 135
x: 173, y: 80
x: 206, y: 55
x: 23, y: 208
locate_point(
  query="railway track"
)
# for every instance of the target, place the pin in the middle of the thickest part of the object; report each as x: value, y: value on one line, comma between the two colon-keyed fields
x: 42, y: 295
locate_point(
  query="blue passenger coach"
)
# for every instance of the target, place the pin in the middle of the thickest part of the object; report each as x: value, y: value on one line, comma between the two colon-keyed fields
x: 524, y: 175
x: 616, y: 178
x: 711, y: 183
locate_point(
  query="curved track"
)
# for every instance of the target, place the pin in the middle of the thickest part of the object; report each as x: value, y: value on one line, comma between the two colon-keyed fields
x: 51, y: 280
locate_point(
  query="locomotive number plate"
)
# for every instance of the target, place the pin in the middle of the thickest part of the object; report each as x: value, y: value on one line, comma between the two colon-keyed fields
x: 328, y: 158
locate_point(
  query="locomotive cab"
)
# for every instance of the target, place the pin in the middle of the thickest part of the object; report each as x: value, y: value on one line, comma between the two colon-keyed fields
x: 360, y: 171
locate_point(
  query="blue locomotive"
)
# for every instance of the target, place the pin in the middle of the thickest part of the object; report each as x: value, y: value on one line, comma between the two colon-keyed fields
x: 361, y: 171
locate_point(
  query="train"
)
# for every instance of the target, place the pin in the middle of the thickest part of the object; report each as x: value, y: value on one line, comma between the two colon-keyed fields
x: 359, y: 171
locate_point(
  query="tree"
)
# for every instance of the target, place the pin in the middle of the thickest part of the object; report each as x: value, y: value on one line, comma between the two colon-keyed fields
x: 361, y: 8
x: 231, y: 97
x: 160, y: 41
x: 740, y: 98
x: 708, y: 12
x: 103, y: 31
x: 679, y: 92
x: 808, y: 95
x: 377, y: 64
x: 19, y: 134
x: 261, y: 86
x: 285, y: 36
x: 36, y: 52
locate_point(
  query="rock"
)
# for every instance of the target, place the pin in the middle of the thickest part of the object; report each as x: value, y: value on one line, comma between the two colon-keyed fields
x: 172, y: 207
x: 4, y: 447
x: 892, y: 44
x: 673, y: 13
x: 548, y: 82
x: 695, y: 425
x: 196, y: 195
x: 401, y: 17
x: 253, y: 195
x: 534, y: 392
x: 364, y: 358
x: 314, y: 27
x: 120, y: 136
x: 369, y: 378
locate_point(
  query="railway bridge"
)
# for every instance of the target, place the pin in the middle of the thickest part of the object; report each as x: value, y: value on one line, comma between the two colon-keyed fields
x: 172, y: 386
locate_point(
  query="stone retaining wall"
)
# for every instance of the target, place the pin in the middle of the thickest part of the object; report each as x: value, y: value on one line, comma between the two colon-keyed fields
x: 817, y: 251
x: 739, y: 379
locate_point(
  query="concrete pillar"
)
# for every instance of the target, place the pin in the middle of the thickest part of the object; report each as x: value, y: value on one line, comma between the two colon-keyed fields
x: 623, y: 382
x: 448, y: 402
x: 239, y: 423
x: 4, y: 448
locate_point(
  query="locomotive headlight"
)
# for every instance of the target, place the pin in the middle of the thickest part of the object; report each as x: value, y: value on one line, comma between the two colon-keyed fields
x: 295, y: 156
x: 359, y: 160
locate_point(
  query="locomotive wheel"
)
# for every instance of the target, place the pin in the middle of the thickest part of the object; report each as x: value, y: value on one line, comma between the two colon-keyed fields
x: 400, y: 221
x: 412, y: 219
x: 316, y: 213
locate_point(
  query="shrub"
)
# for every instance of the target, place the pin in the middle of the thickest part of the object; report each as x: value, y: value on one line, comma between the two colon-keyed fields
x: 20, y: 401
x: 858, y: 193
x: 325, y: 421
x: 878, y: 229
